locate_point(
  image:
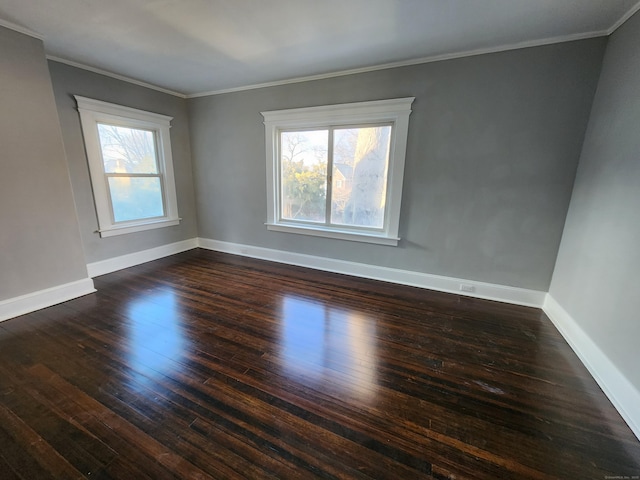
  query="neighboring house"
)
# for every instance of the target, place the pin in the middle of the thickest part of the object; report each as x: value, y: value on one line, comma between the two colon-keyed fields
x: 342, y: 184
x: 342, y: 177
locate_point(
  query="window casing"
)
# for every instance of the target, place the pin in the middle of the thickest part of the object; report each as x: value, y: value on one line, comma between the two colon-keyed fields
x: 337, y: 171
x: 131, y: 167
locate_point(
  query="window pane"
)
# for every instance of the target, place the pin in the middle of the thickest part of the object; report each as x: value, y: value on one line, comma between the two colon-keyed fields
x: 303, y: 161
x: 127, y: 150
x: 135, y: 198
x: 360, y: 164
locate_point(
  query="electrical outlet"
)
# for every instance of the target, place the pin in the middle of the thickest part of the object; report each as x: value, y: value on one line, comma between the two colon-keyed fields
x: 464, y: 287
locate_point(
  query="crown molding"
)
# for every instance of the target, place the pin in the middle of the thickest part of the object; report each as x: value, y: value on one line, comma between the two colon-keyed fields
x: 106, y: 73
x: 20, y: 29
x: 624, y: 18
x: 408, y: 63
x: 429, y: 59
x: 405, y: 63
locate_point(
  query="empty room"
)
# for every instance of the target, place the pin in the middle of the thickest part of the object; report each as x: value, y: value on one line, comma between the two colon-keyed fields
x: 338, y: 239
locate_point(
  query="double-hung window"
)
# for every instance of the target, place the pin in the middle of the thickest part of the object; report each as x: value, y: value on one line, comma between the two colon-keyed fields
x: 337, y: 171
x: 131, y: 167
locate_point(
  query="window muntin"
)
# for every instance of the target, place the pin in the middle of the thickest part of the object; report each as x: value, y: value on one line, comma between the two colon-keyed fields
x: 135, y: 198
x: 130, y: 163
x: 337, y: 171
x: 361, y: 158
x: 354, y: 194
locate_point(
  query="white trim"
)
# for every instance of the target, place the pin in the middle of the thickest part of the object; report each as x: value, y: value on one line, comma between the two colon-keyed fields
x: 487, y: 291
x: 109, y: 265
x: 408, y: 63
x: 123, y: 78
x: 356, y: 112
x: 14, y: 307
x: 92, y: 112
x: 127, y: 113
x: 624, y: 18
x: 624, y: 396
x: 394, y: 112
x: 333, y: 233
x: 20, y: 29
x: 138, y: 227
x: 339, y: 73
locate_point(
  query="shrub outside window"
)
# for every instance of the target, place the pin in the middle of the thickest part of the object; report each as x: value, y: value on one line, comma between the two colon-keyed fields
x: 337, y: 171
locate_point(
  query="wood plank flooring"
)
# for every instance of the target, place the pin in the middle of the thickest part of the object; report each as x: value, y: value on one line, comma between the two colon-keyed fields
x: 205, y: 365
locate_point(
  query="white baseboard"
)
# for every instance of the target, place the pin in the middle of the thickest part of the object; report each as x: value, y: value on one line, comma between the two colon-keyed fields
x: 14, y: 307
x: 488, y: 291
x: 103, y: 267
x: 624, y: 396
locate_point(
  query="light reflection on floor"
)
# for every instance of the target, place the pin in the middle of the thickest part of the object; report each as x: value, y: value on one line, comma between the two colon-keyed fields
x: 323, y: 345
x: 156, y: 339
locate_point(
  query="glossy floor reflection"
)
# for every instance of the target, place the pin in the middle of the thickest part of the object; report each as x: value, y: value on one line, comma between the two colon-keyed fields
x: 322, y: 346
x: 212, y: 366
x: 155, y: 340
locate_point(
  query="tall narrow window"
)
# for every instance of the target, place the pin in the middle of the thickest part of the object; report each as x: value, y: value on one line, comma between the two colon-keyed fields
x: 361, y: 161
x: 337, y: 171
x: 130, y: 162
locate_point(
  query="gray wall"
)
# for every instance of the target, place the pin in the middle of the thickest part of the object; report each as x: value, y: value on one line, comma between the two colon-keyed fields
x: 40, y: 243
x: 596, y: 278
x: 493, y: 146
x: 69, y: 81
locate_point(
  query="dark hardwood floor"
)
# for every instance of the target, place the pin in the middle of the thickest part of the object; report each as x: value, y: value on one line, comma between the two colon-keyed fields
x: 205, y: 365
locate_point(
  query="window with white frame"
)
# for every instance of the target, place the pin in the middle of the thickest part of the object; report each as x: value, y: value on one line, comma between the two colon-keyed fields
x: 337, y: 171
x: 130, y: 163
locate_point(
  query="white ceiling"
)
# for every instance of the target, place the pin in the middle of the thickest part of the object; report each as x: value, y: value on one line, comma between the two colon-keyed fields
x: 197, y: 46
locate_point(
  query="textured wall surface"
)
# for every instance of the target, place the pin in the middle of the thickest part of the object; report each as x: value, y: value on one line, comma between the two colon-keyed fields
x: 40, y: 244
x: 493, y: 146
x: 69, y: 81
x: 596, y: 277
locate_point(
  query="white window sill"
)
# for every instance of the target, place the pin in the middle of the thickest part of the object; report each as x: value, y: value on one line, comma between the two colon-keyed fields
x: 321, y: 231
x: 138, y: 227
